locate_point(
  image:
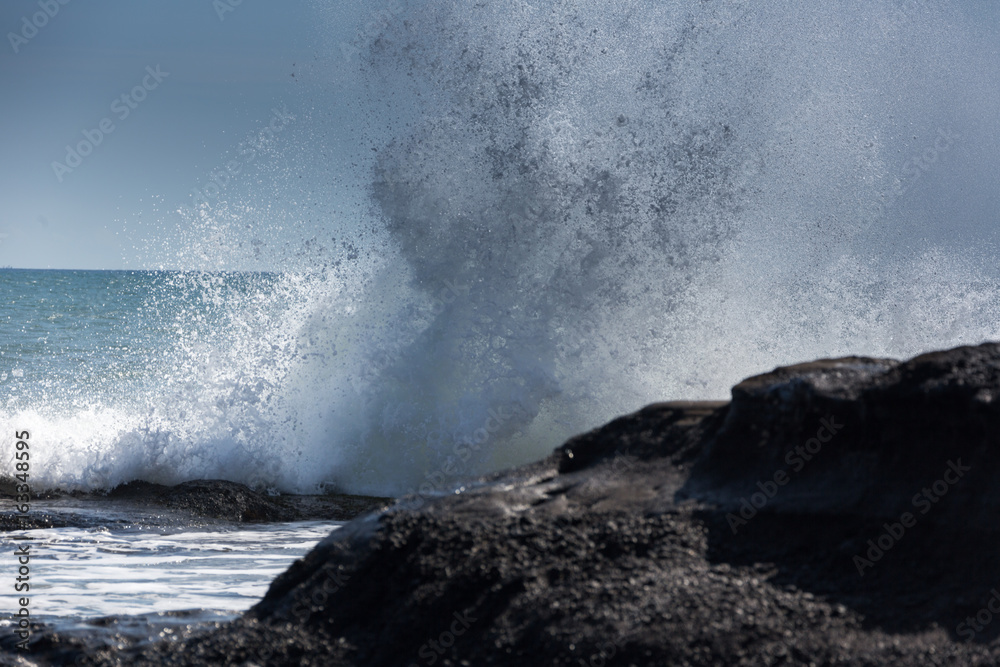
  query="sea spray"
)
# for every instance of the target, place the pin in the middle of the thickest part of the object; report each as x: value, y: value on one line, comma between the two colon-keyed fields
x: 573, y: 209
x: 652, y: 200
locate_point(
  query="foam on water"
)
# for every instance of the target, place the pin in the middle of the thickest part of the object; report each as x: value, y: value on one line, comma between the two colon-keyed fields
x: 77, y: 572
x: 579, y: 208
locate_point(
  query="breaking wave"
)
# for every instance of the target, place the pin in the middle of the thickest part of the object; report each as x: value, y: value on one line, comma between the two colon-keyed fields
x: 562, y: 211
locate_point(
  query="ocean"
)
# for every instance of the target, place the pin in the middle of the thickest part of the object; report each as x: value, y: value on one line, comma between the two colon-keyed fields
x: 90, y: 362
x: 570, y: 210
x: 125, y: 563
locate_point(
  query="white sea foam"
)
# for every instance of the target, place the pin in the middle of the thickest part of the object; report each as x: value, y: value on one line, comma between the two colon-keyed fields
x: 99, y: 571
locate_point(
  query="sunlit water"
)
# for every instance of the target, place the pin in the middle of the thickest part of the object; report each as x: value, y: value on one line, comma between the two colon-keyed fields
x: 221, y: 571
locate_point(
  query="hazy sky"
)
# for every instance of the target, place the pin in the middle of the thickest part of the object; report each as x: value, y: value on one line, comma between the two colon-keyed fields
x: 70, y: 69
x: 182, y: 85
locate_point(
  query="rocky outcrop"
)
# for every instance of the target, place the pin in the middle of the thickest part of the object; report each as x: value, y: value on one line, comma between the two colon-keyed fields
x: 230, y: 501
x: 842, y: 511
x: 216, y: 499
x: 141, y: 503
x: 862, y: 436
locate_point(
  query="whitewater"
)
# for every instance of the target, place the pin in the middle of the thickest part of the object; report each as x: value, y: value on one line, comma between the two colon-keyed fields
x: 553, y: 213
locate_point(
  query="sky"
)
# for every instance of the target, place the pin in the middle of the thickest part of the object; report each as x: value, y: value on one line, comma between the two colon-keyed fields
x: 116, y: 111
x: 72, y: 69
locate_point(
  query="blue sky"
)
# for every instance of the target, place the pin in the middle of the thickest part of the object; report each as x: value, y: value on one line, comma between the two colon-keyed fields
x: 227, y: 64
x: 221, y: 69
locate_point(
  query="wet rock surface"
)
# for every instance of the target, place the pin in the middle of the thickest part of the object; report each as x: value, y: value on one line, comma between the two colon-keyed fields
x: 838, y: 512
x: 197, y: 501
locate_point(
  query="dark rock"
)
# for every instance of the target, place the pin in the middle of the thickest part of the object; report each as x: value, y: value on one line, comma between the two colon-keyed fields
x: 666, y: 537
x: 885, y: 430
x: 140, y: 502
x: 230, y: 501
x: 217, y: 499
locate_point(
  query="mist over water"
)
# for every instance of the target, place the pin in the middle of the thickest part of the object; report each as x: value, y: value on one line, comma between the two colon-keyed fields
x: 564, y: 211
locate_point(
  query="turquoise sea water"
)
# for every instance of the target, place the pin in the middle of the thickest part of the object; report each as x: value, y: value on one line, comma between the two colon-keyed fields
x: 91, y: 364
x: 70, y: 337
x: 122, y: 375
